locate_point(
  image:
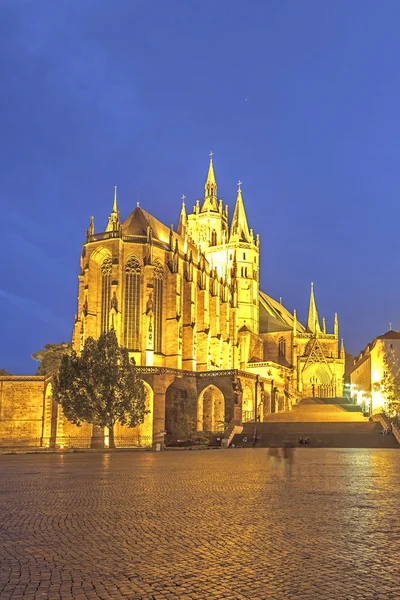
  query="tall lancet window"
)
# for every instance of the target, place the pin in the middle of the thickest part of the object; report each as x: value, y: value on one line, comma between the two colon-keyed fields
x: 106, y: 269
x: 157, y: 305
x: 282, y: 347
x: 132, y: 304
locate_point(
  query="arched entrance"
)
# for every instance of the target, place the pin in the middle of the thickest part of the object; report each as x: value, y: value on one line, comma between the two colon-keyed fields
x: 247, y: 404
x: 211, y: 410
x: 141, y: 435
x: 317, y: 382
x: 49, y: 431
x: 180, y: 409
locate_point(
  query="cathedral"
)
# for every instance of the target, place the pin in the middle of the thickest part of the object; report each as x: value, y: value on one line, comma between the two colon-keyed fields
x: 212, y: 348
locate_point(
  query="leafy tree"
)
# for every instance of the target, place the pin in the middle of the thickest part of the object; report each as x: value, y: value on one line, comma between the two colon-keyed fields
x: 50, y: 357
x: 390, y: 382
x: 4, y: 372
x: 101, y: 386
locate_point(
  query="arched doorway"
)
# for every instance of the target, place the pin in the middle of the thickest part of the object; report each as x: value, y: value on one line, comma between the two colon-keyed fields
x: 180, y: 409
x: 317, y: 382
x: 211, y: 410
x: 141, y: 435
x: 49, y: 431
x: 247, y: 404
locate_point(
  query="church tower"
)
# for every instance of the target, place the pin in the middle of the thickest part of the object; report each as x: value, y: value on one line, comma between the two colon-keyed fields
x: 232, y: 253
x: 245, y: 252
x: 208, y: 224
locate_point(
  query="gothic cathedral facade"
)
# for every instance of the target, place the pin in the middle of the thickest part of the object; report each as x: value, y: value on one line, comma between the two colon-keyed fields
x: 188, y: 306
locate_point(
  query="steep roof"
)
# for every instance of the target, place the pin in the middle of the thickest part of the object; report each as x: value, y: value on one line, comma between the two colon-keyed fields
x: 392, y: 334
x: 138, y: 221
x: 274, y: 316
x: 239, y: 227
x: 136, y: 225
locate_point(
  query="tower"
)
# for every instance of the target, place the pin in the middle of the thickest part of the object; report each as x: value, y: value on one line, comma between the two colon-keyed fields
x: 245, y: 251
x: 208, y: 224
x: 232, y: 253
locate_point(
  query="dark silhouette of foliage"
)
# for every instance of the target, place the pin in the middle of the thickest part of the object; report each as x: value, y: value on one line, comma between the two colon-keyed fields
x: 4, y: 372
x: 50, y: 357
x: 101, y: 386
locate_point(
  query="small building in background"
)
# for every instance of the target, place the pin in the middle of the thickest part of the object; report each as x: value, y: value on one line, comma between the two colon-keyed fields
x: 370, y: 369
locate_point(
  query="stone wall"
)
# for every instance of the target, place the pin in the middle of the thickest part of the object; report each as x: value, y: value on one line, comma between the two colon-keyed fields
x: 22, y: 411
x: 30, y: 417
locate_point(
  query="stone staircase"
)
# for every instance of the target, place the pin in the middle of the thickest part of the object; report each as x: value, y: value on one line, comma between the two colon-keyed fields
x: 231, y: 431
x: 328, y: 423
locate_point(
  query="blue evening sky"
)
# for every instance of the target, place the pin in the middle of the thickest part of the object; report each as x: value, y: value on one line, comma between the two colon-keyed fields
x: 298, y: 99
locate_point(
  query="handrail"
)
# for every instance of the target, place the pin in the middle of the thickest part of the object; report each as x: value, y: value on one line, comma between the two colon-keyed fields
x: 387, y: 424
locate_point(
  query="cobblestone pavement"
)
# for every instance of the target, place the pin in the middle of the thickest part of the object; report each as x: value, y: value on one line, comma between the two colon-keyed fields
x: 223, y: 524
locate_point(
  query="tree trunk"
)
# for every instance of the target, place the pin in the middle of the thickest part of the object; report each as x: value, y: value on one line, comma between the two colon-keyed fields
x: 111, y: 440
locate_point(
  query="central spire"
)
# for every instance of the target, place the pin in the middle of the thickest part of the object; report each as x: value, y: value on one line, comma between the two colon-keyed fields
x: 210, y: 189
x: 313, y: 320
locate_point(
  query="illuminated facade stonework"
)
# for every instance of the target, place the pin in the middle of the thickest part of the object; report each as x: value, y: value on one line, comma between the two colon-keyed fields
x: 213, y: 349
x: 368, y: 372
x: 189, y: 301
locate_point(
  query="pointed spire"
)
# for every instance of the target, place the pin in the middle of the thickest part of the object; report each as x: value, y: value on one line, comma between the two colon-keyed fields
x: 312, y: 320
x: 90, y: 229
x: 182, y: 219
x: 323, y: 325
x: 113, y: 220
x: 342, y: 351
x: 239, y: 227
x: 210, y: 189
x: 336, y: 326
x: 295, y: 322
x: 115, y: 200
x: 211, y: 183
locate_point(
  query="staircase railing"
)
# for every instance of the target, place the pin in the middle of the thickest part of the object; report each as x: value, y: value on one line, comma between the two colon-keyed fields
x: 230, y: 432
x: 387, y: 424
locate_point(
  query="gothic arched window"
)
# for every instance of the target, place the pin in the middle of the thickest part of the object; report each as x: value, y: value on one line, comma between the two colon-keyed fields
x: 132, y: 304
x: 282, y: 347
x: 106, y: 268
x: 157, y: 305
x: 213, y: 238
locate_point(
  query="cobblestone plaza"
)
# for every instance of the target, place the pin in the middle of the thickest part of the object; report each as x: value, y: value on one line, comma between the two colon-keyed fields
x: 201, y: 525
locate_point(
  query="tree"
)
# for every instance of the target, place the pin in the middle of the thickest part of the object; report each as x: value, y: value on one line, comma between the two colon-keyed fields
x: 390, y: 383
x: 50, y: 357
x: 4, y: 373
x: 101, y: 386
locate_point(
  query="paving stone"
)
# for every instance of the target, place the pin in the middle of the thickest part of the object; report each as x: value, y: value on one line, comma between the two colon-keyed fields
x: 223, y: 525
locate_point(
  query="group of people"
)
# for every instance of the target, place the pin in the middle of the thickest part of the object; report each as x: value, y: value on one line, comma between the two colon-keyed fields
x: 386, y: 431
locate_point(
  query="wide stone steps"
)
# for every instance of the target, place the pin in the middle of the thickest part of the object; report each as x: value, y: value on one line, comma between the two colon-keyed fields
x: 323, y: 435
x: 320, y: 410
x: 328, y: 423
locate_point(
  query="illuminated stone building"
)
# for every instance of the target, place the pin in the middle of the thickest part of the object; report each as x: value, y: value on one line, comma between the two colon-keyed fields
x: 211, y: 347
x: 368, y: 372
x: 187, y: 305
